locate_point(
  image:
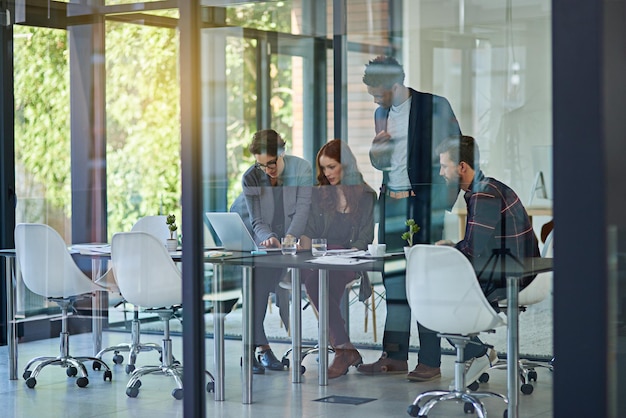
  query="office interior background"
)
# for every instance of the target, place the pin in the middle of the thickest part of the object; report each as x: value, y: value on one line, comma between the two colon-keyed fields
x: 113, y: 110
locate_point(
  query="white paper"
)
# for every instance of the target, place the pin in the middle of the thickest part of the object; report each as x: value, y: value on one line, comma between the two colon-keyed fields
x: 87, y: 249
x: 338, y: 260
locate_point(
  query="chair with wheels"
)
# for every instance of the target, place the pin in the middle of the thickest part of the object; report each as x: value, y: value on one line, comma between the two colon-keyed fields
x: 532, y: 294
x: 358, y: 293
x: 49, y: 270
x: 362, y: 279
x: 445, y: 296
x: 285, y: 286
x: 147, y: 277
x: 155, y: 226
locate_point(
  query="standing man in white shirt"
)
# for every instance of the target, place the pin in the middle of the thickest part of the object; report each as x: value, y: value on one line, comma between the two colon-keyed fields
x: 409, y: 127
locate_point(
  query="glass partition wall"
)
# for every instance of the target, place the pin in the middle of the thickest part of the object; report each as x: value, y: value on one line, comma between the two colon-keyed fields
x: 267, y: 65
x: 491, y: 62
x: 271, y: 65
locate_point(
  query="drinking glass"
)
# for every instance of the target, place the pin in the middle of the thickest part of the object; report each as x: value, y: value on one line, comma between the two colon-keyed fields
x: 288, y: 245
x: 318, y: 247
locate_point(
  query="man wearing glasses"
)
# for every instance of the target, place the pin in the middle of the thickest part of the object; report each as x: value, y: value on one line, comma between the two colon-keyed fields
x: 277, y: 191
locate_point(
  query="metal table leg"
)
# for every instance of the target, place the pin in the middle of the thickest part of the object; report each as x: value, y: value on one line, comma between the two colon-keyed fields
x: 512, y: 357
x: 248, y: 349
x: 96, y: 307
x: 323, y: 328
x: 218, y: 336
x: 9, y: 275
x: 296, y: 326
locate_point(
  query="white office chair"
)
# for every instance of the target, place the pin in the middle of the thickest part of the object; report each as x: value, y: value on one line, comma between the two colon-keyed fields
x: 532, y: 294
x: 157, y: 227
x: 147, y: 277
x: 445, y: 296
x: 358, y: 293
x: 153, y: 225
x: 49, y: 270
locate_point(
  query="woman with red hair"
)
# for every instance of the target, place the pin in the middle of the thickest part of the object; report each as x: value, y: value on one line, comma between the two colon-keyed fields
x: 342, y: 211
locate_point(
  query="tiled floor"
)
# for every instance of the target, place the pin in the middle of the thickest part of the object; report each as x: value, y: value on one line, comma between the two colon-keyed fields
x: 274, y: 395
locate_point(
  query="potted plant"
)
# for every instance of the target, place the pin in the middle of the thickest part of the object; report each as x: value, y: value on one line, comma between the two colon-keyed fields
x: 172, y: 241
x: 408, y: 235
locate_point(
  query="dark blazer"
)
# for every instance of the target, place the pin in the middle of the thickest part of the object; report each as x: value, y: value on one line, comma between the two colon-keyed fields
x: 431, y: 121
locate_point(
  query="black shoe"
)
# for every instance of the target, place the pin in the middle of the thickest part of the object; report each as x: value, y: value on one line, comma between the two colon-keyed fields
x: 257, y: 368
x: 269, y: 360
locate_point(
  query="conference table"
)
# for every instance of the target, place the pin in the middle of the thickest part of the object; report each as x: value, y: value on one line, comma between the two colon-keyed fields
x: 301, y: 260
x: 507, y: 267
x: 247, y: 262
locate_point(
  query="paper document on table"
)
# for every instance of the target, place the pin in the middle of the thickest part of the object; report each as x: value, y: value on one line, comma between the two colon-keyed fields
x: 87, y: 249
x: 209, y: 254
x: 338, y: 260
x: 213, y: 254
x: 344, y: 251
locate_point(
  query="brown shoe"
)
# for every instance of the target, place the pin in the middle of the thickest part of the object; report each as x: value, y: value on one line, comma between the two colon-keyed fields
x: 384, y: 365
x: 344, y: 358
x: 424, y: 373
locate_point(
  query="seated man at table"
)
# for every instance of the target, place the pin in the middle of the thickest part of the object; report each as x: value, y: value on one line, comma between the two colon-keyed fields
x: 496, y: 222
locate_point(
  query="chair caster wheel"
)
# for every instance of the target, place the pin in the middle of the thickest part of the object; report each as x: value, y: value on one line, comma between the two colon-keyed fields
x: 71, y: 371
x: 82, y: 382
x: 26, y: 374
x: 473, y: 386
x: 132, y: 392
x: 108, y: 375
x: 210, y: 387
x: 130, y: 368
x: 484, y: 378
x: 532, y: 376
x: 31, y: 382
x: 285, y: 362
x: 527, y: 388
x: 468, y: 408
x: 413, y: 410
x: 302, y: 369
x: 118, y: 358
x: 96, y: 365
x: 137, y: 384
x: 177, y: 393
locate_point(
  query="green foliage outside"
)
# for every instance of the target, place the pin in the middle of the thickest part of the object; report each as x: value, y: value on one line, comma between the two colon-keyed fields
x: 142, y: 112
x: 143, y: 123
x: 42, y: 123
x: 241, y: 79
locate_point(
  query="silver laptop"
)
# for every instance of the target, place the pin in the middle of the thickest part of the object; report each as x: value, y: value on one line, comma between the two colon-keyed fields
x: 233, y: 233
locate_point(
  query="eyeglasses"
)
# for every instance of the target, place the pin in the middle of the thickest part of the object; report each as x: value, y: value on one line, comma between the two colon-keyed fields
x: 270, y: 164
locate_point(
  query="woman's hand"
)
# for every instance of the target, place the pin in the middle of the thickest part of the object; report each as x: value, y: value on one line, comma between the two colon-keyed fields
x: 305, y: 243
x: 271, y: 242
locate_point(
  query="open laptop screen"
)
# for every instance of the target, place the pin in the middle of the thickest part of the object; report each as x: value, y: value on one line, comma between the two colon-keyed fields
x: 233, y: 233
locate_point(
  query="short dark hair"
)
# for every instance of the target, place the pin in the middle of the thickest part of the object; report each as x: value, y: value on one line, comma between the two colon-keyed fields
x: 383, y: 71
x: 461, y: 148
x: 267, y: 141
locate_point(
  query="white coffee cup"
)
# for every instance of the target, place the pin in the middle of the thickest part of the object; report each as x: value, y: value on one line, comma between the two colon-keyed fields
x: 377, y: 250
